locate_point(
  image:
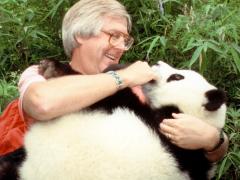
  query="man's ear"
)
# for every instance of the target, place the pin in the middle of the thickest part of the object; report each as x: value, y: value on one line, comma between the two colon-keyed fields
x: 79, y: 39
x: 215, y: 98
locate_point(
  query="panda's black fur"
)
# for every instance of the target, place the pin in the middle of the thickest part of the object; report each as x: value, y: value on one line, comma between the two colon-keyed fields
x: 9, y: 164
x: 193, y: 162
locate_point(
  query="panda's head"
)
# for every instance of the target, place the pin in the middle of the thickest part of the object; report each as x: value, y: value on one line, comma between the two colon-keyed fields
x: 189, y: 92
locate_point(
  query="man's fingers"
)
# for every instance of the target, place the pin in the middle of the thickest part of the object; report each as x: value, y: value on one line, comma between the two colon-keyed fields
x: 169, y: 122
x: 166, y: 129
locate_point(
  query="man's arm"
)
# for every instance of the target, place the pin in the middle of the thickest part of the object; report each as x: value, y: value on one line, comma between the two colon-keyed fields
x: 218, y: 153
x: 48, y: 99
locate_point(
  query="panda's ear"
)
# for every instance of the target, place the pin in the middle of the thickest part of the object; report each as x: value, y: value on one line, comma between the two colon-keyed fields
x: 215, y: 98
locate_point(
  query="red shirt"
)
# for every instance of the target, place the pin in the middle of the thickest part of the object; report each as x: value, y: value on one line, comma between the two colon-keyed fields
x: 13, y: 122
x: 12, y: 128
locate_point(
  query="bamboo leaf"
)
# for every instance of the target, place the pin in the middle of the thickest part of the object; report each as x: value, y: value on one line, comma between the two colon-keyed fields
x: 214, y: 47
x: 236, y: 47
x: 145, y: 40
x: 192, y: 45
x: 53, y: 10
x: 190, y: 42
x: 43, y: 35
x: 205, y: 47
x: 195, y: 56
x: 165, y: 1
x: 163, y: 41
x: 221, y: 169
x: 235, y: 58
x: 152, y: 45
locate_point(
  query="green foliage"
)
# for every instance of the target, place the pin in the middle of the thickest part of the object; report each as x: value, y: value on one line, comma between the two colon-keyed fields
x: 230, y: 165
x: 30, y: 31
x: 8, y: 89
x: 202, y: 35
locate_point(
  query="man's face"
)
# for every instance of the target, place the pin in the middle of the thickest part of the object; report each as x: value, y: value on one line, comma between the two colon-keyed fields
x: 96, y: 53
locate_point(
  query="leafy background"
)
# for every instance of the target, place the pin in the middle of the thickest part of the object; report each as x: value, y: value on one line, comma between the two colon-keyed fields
x: 202, y: 35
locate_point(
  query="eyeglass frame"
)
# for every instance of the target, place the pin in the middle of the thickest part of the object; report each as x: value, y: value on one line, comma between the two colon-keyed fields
x: 129, y: 38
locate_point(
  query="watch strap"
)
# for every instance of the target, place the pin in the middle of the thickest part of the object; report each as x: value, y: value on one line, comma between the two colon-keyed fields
x: 220, y: 142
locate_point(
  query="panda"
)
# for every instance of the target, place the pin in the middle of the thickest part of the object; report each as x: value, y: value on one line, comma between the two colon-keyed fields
x: 118, y: 137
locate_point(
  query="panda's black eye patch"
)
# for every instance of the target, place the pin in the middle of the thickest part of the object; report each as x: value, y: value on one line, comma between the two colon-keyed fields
x: 175, y: 77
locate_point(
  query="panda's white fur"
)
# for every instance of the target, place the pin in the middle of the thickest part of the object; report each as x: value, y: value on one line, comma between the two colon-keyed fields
x: 93, y: 144
x: 99, y: 146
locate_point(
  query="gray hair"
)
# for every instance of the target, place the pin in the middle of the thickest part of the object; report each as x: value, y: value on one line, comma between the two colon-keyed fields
x: 85, y: 19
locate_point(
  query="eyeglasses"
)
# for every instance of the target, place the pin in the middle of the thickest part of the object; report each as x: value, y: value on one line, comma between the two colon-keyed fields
x: 116, y: 38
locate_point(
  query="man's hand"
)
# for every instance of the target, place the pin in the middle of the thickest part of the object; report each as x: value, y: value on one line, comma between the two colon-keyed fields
x: 190, y: 132
x: 137, y: 73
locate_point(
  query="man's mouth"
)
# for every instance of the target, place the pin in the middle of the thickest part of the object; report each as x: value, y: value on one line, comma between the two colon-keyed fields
x: 110, y: 56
